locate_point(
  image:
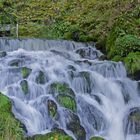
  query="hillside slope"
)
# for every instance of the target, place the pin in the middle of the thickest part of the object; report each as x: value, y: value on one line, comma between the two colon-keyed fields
x: 113, y: 24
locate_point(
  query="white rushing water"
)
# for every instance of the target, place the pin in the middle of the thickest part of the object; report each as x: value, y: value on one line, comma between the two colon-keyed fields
x: 107, y: 101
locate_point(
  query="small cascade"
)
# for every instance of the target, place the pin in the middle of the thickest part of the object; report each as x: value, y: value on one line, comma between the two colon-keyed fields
x: 65, y: 85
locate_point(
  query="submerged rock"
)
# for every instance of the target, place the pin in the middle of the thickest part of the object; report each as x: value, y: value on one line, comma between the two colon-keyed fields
x: 88, y: 53
x: 2, y: 54
x: 52, y: 108
x: 132, y: 123
x: 41, y: 78
x: 24, y: 86
x: 67, y: 101
x: 25, y: 72
x: 74, y: 125
x: 15, y: 63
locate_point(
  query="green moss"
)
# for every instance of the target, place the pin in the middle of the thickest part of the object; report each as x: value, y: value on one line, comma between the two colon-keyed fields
x: 10, y: 128
x: 126, y: 44
x: 62, y: 88
x: 25, y: 72
x: 132, y: 62
x: 67, y: 102
x: 96, y: 138
x: 51, y: 136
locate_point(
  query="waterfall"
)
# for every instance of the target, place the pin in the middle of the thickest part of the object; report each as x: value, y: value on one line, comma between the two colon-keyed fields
x: 65, y: 85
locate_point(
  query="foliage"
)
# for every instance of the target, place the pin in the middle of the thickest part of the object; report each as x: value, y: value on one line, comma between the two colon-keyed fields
x: 132, y: 62
x: 126, y: 44
x: 10, y: 128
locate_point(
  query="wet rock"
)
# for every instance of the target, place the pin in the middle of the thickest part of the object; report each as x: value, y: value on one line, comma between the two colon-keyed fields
x: 70, y: 67
x: 61, y: 88
x: 67, y: 101
x: 25, y: 72
x: 92, y: 117
x: 63, y: 54
x: 83, y: 77
x: 83, y: 62
x: 52, y: 108
x: 74, y: 125
x: 24, y: 86
x: 15, y: 63
x: 2, y: 54
x: 97, y: 138
x: 41, y: 78
x: 103, y: 57
x: 88, y: 53
x: 132, y: 123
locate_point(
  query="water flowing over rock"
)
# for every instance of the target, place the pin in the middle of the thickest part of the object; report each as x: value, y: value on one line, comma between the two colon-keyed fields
x: 70, y: 87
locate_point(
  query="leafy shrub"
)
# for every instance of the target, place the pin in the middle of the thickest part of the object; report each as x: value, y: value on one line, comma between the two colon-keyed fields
x: 126, y: 44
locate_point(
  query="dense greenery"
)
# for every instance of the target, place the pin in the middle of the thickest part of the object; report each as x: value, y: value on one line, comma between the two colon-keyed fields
x: 113, y: 24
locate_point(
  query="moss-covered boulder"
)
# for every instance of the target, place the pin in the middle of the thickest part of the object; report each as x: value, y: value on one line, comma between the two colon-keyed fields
x: 41, y: 78
x: 10, y: 128
x: 25, y: 72
x: 2, y: 54
x: 52, y: 108
x: 132, y: 123
x: 61, y: 88
x: 67, y: 101
x: 24, y: 86
x: 51, y: 136
x: 97, y: 138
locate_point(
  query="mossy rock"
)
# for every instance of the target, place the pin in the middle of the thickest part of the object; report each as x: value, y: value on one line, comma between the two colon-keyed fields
x: 133, y: 121
x: 2, y: 54
x: 52, y: 108
x: 25, y: 72
x: 67, y: 101
x: 24, y: 86
x: 61, y: 88
x: 10, y: 128
x: 97, y: 138
x: 41, y: 78
x: 51, y: 136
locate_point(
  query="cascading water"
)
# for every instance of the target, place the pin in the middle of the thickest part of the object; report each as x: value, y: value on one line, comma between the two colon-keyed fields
x: 62, y: 84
